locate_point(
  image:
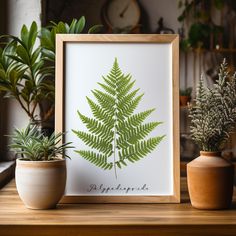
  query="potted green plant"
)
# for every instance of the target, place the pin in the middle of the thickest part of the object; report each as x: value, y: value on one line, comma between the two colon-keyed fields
x: 27, y: 69
x: 213, y: 117
x: 185, y: 96
x: 40, y: 168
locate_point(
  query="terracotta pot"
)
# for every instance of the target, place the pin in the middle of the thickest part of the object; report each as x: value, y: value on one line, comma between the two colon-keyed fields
x: 210, y: 181
x: 184, y: 100
x: 40, y: 184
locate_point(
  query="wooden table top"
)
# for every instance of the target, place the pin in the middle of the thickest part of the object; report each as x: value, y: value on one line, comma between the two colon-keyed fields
x: 127, y: 219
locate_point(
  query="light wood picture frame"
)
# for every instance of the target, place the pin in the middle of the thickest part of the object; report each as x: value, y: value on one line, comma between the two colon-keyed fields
x: 133, y: 157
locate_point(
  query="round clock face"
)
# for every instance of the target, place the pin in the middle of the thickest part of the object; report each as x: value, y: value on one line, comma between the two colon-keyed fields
x: 122, y: 13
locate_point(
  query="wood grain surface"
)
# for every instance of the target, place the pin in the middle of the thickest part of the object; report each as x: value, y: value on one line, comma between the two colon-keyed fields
x: 112, y: 219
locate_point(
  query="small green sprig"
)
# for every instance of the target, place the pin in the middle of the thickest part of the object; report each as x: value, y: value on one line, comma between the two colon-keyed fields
x: 32, y: 145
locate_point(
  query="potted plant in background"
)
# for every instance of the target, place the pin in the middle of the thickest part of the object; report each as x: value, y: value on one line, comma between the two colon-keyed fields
x: 40, y: 168
x: 185, y: 96
x: 213, y: 117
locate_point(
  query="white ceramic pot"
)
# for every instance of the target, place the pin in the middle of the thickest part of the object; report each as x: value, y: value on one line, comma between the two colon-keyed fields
x: 40, y: 184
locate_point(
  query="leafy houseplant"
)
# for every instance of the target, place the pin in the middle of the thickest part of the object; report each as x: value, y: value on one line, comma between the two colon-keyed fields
x: 212, y: 119
x: 27, y: 70
x: 185, y: 96
x: 41, y: 168
x: 22, y: 71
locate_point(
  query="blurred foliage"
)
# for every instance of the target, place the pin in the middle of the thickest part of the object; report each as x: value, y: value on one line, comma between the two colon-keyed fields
x: 202, y: 28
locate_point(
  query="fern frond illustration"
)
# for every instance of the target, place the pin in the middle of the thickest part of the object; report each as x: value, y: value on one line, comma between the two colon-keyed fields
x: 115, y: 134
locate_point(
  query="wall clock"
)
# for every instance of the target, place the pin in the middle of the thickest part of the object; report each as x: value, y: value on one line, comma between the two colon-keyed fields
x: 121, y: 15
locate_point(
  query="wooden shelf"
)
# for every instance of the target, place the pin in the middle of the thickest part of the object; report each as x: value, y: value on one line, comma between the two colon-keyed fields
x: 113, y: 219
x: 220, y: 50
x: 224, y: 50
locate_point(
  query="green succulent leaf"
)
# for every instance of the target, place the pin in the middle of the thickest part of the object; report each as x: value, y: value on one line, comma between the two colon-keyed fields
x: 96, y: 29
x: 79, y: 26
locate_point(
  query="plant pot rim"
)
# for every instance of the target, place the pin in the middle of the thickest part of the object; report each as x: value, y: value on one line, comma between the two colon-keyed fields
x: 40, y: 164
x: 54, y: 160
x: 210, y: 153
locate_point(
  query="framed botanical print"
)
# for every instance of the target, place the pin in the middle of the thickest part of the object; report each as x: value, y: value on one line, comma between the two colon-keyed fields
x: 117, y: 101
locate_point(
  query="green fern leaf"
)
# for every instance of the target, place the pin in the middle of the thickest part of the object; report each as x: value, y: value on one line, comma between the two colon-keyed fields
x: 108, y: 89
x: 110, y: 82
x: 139, y: 150
x: 122, y: 83
x: 128, y: 98
x: 128, y: 110
x: 124, y: 103
x: 101, y: 114
x: 125, y: 90
x: 96, y: 127
x: 105, y: 100
x: 134, y: 134
x: 115, y: 132
x: 97, y: 159
x: 93, y: 141
x: 134, y: 120
x: 112, y: 79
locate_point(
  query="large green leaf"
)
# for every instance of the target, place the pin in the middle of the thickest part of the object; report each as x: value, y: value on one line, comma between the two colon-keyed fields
x: 33, y: 32
x: 23, y: 54
x: 24, y: 35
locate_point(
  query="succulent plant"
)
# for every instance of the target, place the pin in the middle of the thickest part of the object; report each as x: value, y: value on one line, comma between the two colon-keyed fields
x: 32, y: 145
